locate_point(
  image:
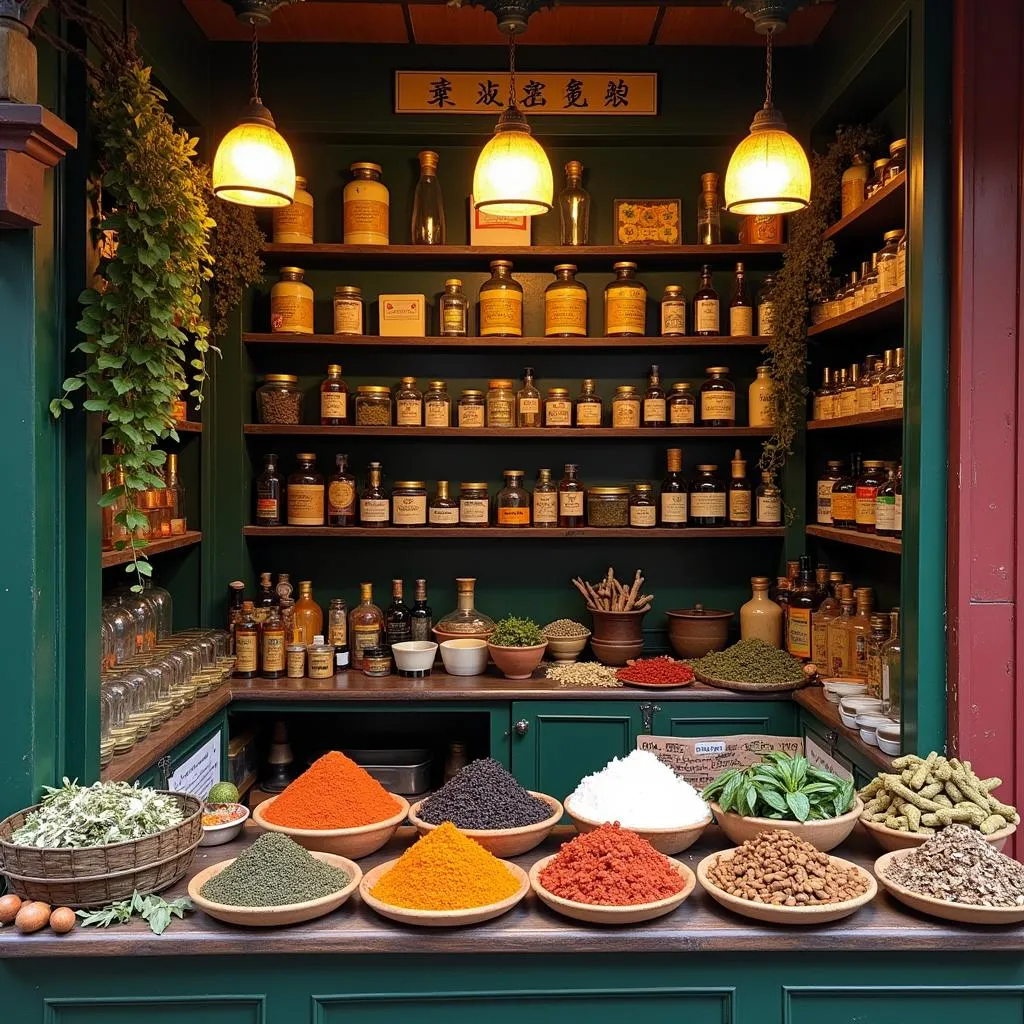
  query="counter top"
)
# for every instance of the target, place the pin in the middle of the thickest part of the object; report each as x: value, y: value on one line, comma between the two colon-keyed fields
x: 699, y: 924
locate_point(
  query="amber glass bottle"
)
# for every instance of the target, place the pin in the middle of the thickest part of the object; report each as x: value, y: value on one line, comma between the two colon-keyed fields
x: 844, y: 497
x: 333, y: 398
x: 341, y: 495
x: 803, y: 602
x: 247, y: 644
x: 501, y: 303
x: 365, y: 623
x: 740, y: 510
x: 268, y: 494
x: 706, y: 319
x: 528, y: 401
x: 674, y: 492
x: 589, y: 408
x: 654, y: 413
x: 444, y: 509
x: 272, y: 646
x: 306, y: 493
x: 374, y: 505
x: 309, y: 616
x: 571, y: 492
x: 708, y: 502
x: 625, y: 303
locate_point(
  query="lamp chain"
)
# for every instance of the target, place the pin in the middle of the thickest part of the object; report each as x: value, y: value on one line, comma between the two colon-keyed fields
x: 768, y: 75
x: 255, y: 65
x: 512, y: 70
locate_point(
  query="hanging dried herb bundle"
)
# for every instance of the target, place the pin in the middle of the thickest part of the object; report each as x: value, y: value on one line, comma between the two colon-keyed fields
x: 235, y: 246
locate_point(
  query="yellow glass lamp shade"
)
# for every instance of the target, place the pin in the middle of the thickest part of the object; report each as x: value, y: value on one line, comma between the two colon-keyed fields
x: 513, y: 174
x: 768, y: 172
x: 253, y: 165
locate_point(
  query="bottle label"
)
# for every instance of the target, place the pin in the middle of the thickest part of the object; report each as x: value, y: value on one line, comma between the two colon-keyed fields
x: 513, y: 517
x: 305, y: 504
x: 291, y: 314
x: 707, y: 506
x: 885, y: 513
x: 626, y: 412
x: 863, y: 398
x: 739, y: 506
x: 409, y: 412
x: 366, y: 220
x: 558, y: 412
x: 899, y: 395
x: 769, y: 510
x: 570, y: 504
x: 501, y: 312
x: 681, y: 413
x: 273, y: 652
x: 374, y: 510
x: 741, y: 321
x: 766, y: 319
x: 654, y: 410
x: 848, y: 402
x: 844, y: 506
x: 471, y: 415
x: 673, y: 508
x: 625, y: 310
x: 363, y: 636
x: 296, y: 663
x: 437, y: 413
x: 887, y: 275
x: 565, y: 312
x: 824, y: 505
x: 474, y: 511
x: 337, y: 633
x: 901, y: 266
x: 898, y: 520
x: 348, y: 316
x: 333, y: 405
x: 260, y: 614
x: 798, y: 632
x: 444, y: 517
x: 828, y: 411
x: 865, y: 504
x: 293, y: 224
x: 500, y: 412
x: 247, y: 651
x: 545, y: 508
x: 341, y: 498
x: 643, y: 515
x: 838, y: 649
x: 673, y: 317
x: 819, y: 641
x: 267, y: 510
x: 760, y: 410
x: 409, y: 509
x: 705, y: 315
x: 529, y: 406
x: 453, y: 318
x: 718, y: 405
x: 588, y: 414
x: 887, y: 395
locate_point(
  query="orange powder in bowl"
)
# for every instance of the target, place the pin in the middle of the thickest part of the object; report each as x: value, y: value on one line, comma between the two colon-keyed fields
x: 334, y: 792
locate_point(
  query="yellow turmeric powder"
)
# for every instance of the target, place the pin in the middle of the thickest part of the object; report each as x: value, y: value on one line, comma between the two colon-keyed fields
x: 445, y: 870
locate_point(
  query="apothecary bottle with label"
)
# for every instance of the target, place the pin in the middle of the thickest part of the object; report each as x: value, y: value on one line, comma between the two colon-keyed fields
x: 367, y: 206
x: 437, y: 405
x: 673, y: 312
x: 872, y: 363
x: 760, y: 401
x: 707, y: 497
x: 349, y: 311
x: 501, y: 303
x: 409, y: 503
x: 718, y: 399
x: 291, y: 303
x: 888, y: 271
x: 474, y: 505
x: 333, y: 398
x: 625, y: 303
x: 408, y: 404
x: 741, y: 309
x: 293, y: 224
x: 709, y: 215
x: 305, y: 493
x: 571, y: 510
x: 374, y: 505
x: 822, y: 402
x: 643, y: 509
x: 885, y: 504
x: 682, y: 406
x: 844, y: 496
x: 740, y: 502
x: 768, y: 501
x: 472, y: 408
x: 766, y: 308
x: 589, y: 407
x: 869, y: 279
x: 454, y: 310
x: 501, y: 403
x: 706, y: 320
x: 832, y: 474
x: 654, y: 412
x: 337, y: 632
x: 890, y: 383
x: 365, y: 625
x: 565, y: 305
x: 341, y: 495
x: 848, y: 391
x: 625, y: 407
x: 513, y: 500
x: 558, y: 408
x: 545, y: 500
x: 247, y: 644
x: 674, y: 497
x: 268, y: 494
x: 868, y: 483
x: 444, y: 509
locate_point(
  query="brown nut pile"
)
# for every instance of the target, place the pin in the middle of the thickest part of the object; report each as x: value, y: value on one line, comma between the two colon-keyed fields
x: 777, y: 868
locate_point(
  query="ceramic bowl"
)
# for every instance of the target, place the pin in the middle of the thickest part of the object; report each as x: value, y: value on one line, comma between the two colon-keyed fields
x: 822, y: 835
x: 414, y: 655
x: 564, y: 650
x: 517, y: 662
x: 889, y: 738
x: 851, y: 707
x: 836, y: 689
x: 868, y: 725
x: 345, y: 842
x: 464, y: 656
x: 664, y: 840
x: 895, y: 839
x: 618, y: 627
x: 218, y: 835
x: 616, y: 654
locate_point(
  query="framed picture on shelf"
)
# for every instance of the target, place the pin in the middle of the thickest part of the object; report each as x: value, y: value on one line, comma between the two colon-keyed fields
x: 648, y: 221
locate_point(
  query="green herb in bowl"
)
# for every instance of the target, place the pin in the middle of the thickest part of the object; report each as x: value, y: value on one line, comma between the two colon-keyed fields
x: 512, y: 631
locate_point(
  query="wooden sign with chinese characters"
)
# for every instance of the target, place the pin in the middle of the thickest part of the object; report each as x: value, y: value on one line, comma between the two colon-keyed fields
x: 700, y: 761
x: 544, y: 92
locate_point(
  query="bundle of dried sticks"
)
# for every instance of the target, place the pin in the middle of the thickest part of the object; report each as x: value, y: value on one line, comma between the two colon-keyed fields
x: 612, y: 596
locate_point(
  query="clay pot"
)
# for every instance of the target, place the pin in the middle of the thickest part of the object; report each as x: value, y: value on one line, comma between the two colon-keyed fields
x: 616, y: 654
x: 618, y: 627
x: 695, y: 631
x: 517, y: 662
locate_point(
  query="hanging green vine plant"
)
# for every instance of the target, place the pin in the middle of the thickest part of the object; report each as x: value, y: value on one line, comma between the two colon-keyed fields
x: 803, y: 280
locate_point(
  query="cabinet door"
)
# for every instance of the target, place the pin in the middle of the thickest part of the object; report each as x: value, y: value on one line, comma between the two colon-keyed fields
x: 861, y: 767
x: 724, y: 718
x: 555, y: 743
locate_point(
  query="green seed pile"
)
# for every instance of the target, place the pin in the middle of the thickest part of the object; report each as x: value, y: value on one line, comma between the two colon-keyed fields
x: 272, y: 872
x: 750, y: 661
x: 565, y: 629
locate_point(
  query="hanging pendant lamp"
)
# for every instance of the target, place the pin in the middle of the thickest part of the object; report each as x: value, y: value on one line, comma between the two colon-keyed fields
x: 253, y: 165
x: 768, y: 172
x: 513, y: 174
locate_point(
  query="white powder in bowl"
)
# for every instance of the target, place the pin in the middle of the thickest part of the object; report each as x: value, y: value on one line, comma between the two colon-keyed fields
x: 639, y: 791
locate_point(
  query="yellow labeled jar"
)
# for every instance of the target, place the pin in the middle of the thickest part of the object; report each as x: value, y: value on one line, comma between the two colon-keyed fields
x: 718, y: 399
x: 682, y: 406
x: 626, y: 407
x: 501, y: 303
x: 472, y: 410
x: 291, y: 303
x: 409, y: 503
x: 501, y: 403
x: 366, y: 206
x: 565, y: 305
x: 558, y: 408
x: 625, y: 303
x: 437, y: 405
x: 293, y: 224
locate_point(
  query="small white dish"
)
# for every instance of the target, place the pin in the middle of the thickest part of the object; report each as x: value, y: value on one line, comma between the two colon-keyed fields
x: 414, y: 655
x: 466, y: 657
x: 851, y: 707
x: 868, y: 726
x: 889, y: 738
x: 890, y: 747
x: 836, y: 689
x: 218, y: 835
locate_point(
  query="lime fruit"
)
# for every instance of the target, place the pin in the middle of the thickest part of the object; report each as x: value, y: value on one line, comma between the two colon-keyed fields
x: 223, y: 793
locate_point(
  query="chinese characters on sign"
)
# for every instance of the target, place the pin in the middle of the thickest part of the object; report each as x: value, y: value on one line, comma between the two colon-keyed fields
x: 548, y: 92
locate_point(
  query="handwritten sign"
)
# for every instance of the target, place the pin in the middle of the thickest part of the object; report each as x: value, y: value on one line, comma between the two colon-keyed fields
x: 543, y: 92
x: 198, y: 774
x: 701, y: 760
x: 821, y: 758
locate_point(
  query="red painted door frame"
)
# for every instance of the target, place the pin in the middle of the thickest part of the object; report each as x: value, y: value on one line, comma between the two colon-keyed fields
x: 985, y: 561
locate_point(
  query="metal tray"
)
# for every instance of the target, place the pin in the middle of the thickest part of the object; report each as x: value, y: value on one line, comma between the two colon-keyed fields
x: 406, y: 772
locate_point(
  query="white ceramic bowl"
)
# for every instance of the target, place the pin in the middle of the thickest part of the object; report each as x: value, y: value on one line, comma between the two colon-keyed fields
x: 466, y: 657
x: 851, y: 707
x: 868, y: 725
x: 836, y: 689
x: 217, y: 835
x: 414, y: 655
x: 889, y: 738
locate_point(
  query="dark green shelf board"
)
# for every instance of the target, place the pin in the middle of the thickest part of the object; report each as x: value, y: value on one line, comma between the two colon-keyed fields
x: 373, y: 341
x: 153, y: 547
x: 886, y: 312
x: 883, y: 418
x: 506, y: 433
x: 510, y: 532
x: 893, y: 545
x: 884, y: 211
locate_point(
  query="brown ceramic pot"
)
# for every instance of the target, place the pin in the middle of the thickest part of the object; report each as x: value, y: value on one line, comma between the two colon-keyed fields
x: 517, y: 662
x: 695, y: 631
x: 618, y: 627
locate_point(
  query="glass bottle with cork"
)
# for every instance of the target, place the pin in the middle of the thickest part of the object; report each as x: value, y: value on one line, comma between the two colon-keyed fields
x: 465, y: 619
x: 844, y: 497
x: 673, y: 312
x: 768, y: 501
x: 706, y: 321
x: 565, y: 304
x: 374, y: 504
x: 528, y: 400
x: 428, y: 222
x: 333, y: 398
x: 341, y: 495
x: 453, y: 310
x: 337, y: 632
x: 545, y: 500
x: 397, y: 617
x: 625, y: 303
x: 574, y: 207
x: 675, y: 495
x: 709, y: 215
x: 761, y: 617
x: 589, y: 408
x: 306, y: 493
x: 349, y: 311
x: 708, y: 503
x: 422, y: 616
x: 739, y: 512
x: 437, y: 405
x: 309, y: 616
x: 365, y: 625
x: 571, y: 492
x: 444, y: 509
x: 366, y: 206
x: 682, y: 406
x: 247, y: 644
x: 741, y: 309
x: 501, y: 303
x: 272, y: 646
x: 803, y: 602
x: 265, y: 599
x: 718, y: 399
x: 654, y: 413
x: 512, y: 504
x: 408, y: 404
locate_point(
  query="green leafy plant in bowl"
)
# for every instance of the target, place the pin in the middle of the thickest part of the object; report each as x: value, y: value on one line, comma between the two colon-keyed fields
x: 513, y: 631
x: 517, y: 646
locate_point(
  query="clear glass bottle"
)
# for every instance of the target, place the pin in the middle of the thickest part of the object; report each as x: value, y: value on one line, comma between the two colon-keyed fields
x: 397, y: 617
x: 408, y: 404
x: 682, y: 406
x: 454, y: 310
x: 888, y: 272
x: 654, y: 412
x: 848, y: 392
x: 625, y: 303
x: 625, y: 407
x: 565, y: 305
x: 839, y: 659
x: 574, y: 207
x: 437, y: 405
x: 306, y: 493
x: 878, y: 637
x: 866, y: 382
x: 341, y: 495
x: 465, y: 619
x: 885, y: 504
x: 675, y: 494
x: 422, y: 614
x: 558, y: 408
x: 501, y: 403
x: 761, y: 617
x: 337, y: 632
x: 706, y: 316
x: 709, y: 211
x: 892, y: 670
x: 528, y: 400
x: 247, y: 644
x: 512, y: 505
x: 768, y: 501
x: 859, y: 631
x: 309, y: 616
x: 741, y: 309
x: 888, y: 361
x: 174, y: 493
x: 860, y: 295
x: 849, y: 296
x: 428, y: 226
x: 293, y: 224
x: 374, y: 504
x: 833, y: 473
x: 545, y: 500
x: 708, y: 505
x: 571, y: 496
x: 838, y: 386
x: 760, y: 399
x: 820, y: 619
x: 349, y: 311
x: 501, y: 303
x: 589, y: 407
x: 365, y: 625
x: 869, y: 279
x: 890, y: 383
x: 766, y: 308
x: 739, y: 504
x: 444, y: 509
x: 673, y: 312
x: 367, y: 204
x: 291, y: 303
x: 472, y: 408
x: 820, y: 409
x: 718, y: 399
x: 333, y: 398
x: 643, y: 509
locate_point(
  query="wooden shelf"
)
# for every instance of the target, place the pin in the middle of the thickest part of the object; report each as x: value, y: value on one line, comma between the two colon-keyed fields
x: 372, y: 341
x: 883, y: 418
x: 813, y: 699
x: 188, y: 427
x: 886, y: 312
x: 510, y: 532
x: 506, y: 433
x: 154, y: 547
x: 884, y: 211
x: 533, y: 257
x: 893, y: 545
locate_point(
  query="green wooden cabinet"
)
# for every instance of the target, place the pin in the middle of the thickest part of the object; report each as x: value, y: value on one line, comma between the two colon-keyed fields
x: 836, y: 746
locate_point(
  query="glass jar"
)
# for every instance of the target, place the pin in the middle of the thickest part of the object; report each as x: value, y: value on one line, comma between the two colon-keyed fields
x: 833, y: 473
x: 571, y: 497
x: 673, y: 312
x: 643, y: 509
x: 279, y: 400
x: 528, y: 400
x: 897, y: 158
x: 409, y: 503
x: 760, y: 407
x: 558, y: 408
x: 589, y: 408
x: 607, y: 507
x: 349, y: 311
x: 682, y: 406
x: 367, y: 206
x: 625, y: 303
x: 878, y: 176
x: 768, y: 501
x: 512, y: 504
x: 471, y: 408
x: 408, y: 404
x: 565, y: 305
x: 625, y: 407
x: 501, y: 403
x: 901, y: 262
x: 291, y: 303
x: 465, y: 620
x: 306, y: 493
x: 376, y: 662
x: 293, y: 224
x: 333, y: 398
x: 868, y: 483
x: 501, y: 303
x: 545, y: 500
x: 474, y: 505
x: 321, y: 659
x: 707, y: 497
x: 888, y: 271
x: 437, y: 405
x: 718, y: 399
x: 444, y: 509
x: 454, y: 310
x: 373, y: 405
